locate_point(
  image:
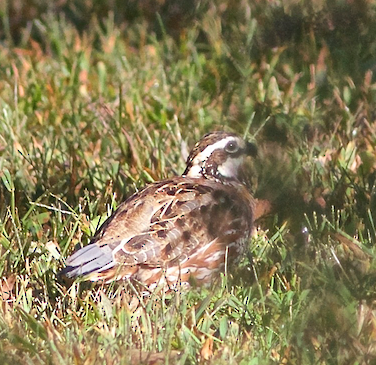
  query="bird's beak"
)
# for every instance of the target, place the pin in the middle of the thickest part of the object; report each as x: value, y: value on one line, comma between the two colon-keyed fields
x: 251, y: 149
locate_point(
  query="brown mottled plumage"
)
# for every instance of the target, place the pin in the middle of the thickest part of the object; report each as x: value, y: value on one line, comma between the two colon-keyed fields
x: 180, y: 229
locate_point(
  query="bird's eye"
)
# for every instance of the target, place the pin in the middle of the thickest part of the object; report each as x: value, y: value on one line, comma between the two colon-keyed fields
x: 232, y: 147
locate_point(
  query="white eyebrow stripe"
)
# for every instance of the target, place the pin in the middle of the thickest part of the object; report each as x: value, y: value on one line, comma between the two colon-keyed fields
x: 203, y: 155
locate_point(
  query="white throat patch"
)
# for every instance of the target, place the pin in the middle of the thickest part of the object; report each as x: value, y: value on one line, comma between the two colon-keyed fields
x: 230, y: 167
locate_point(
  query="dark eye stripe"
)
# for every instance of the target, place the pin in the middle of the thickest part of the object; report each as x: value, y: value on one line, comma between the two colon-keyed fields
x: 236, y: 154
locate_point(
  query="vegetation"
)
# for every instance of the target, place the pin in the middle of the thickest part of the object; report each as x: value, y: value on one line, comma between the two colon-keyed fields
x: 97, y: 100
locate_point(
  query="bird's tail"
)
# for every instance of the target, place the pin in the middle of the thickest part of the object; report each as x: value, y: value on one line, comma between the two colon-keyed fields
x: 87, y: 260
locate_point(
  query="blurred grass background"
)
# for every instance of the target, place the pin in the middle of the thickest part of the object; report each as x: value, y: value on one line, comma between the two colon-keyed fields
x: 99, y: 98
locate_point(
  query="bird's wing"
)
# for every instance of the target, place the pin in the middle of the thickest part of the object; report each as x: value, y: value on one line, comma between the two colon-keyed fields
x: 158, y: 225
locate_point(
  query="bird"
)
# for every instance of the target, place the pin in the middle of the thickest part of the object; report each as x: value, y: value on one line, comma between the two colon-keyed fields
x: 179, y: 231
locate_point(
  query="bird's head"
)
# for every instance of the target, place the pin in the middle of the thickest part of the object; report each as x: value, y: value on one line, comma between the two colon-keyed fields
x: 219, y: 156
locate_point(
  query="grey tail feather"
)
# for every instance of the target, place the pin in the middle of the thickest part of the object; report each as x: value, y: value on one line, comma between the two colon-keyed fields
x: 88, y: 259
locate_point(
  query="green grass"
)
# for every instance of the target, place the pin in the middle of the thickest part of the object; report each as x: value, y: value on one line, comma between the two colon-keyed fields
x: 95, y: 104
